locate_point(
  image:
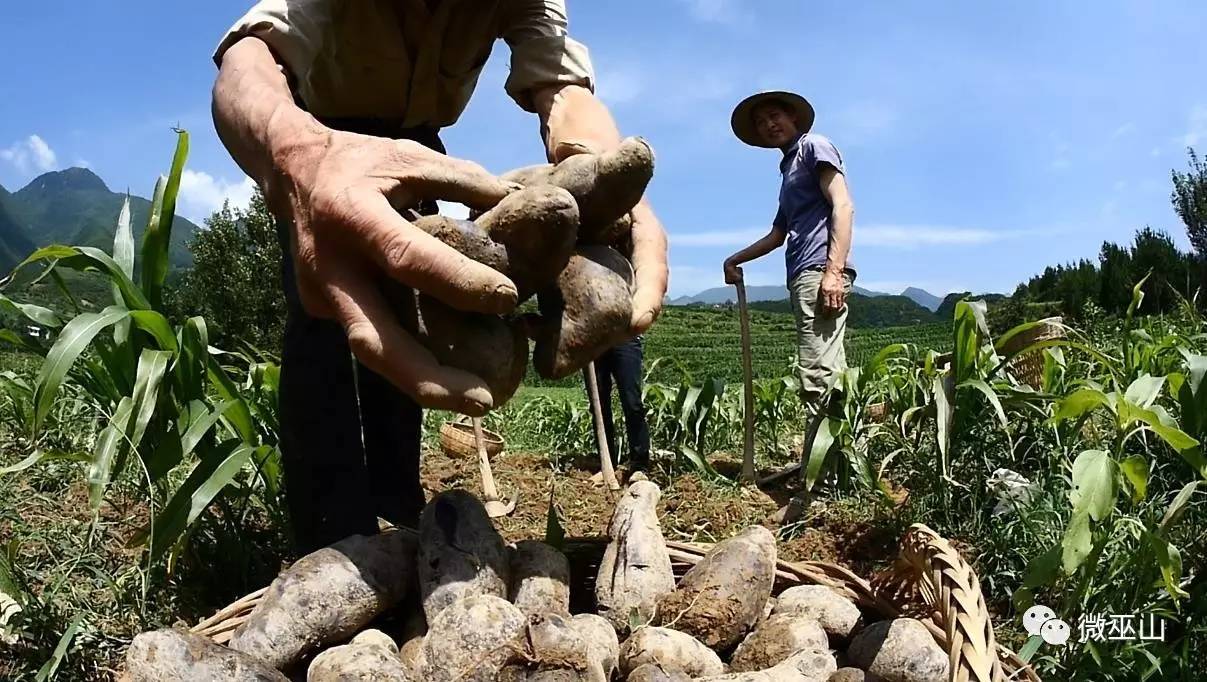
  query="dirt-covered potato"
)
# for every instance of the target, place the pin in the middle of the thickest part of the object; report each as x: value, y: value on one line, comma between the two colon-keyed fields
x: 460, y: 553
x: 327, y: 596
x: 635, y: 570
x: 473, y: 640
x: 370, y: 656
x: 588, y: 311
x: 583, y: 647
x: 491, y: 347
x: 775, y: 640
x: 179, y: 655
x: 900, y: 650
x: 540, y: 579
x: 671, y: 650
x: 537, y: 227
x: 811, y: 665
x: 838, y: 616
x: 648, y: 672
x: 722, y: 597
x: 468, y: 238
x: 605, y: 186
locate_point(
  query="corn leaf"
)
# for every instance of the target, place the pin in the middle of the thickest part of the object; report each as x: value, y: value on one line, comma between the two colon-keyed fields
x: 47, y: 672
x: 818, y: 448
x: 123, y: 247
x: 217, y: 468
x: 34, y: 313
x: 109, y: 446
x: 159, y: 224
x: 72, y: 341
x: 86, y: 259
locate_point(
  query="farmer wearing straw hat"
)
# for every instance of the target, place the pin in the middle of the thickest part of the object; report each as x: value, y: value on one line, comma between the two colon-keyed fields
x: 814, y: 220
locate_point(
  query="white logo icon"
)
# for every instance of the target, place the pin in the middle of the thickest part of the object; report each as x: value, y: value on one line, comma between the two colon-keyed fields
x: 1042, y: 621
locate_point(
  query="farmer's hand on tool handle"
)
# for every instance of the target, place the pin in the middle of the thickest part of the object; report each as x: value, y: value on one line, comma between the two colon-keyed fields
x: 574, y: 121
x: 833, y: 291
x: 341, y: 193
x: 733, y: 273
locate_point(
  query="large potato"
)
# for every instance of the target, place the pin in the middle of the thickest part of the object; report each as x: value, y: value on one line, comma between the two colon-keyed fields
x: 371, y: 656
x: 327, y: 596
x: 776, y: 639
x: 179, y: 655
x: 460, y: 553
x: 473, y: 640
x: 588, y: 311
x: 720, y: 598
x: 540, y: 579
x: 900, y: 650
x: 811, y: 665
x: 636, y: 569
x: 838, y: 616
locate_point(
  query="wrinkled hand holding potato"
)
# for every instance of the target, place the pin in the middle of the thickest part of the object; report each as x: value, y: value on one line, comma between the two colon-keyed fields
x: 530, y: 236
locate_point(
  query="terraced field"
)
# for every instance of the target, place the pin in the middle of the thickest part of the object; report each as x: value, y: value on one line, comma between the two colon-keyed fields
x: 706, y: 342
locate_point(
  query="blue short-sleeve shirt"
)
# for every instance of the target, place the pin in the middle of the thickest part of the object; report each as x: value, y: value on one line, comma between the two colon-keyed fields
x: 804, y: 212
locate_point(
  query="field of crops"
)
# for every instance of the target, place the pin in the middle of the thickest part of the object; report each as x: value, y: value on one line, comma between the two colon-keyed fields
x: 706, y: 342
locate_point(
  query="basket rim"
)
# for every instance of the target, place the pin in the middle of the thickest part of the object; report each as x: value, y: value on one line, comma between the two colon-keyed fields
x: 461, y: 428
x: 927, y: 561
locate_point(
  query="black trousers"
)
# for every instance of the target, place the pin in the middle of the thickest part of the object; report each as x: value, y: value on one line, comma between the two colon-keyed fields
x: 349, y: 439
x: 623, y: 364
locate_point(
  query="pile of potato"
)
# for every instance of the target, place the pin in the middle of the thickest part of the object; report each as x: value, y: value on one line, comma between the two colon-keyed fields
x: 484, y: 610
x: 556, y: 238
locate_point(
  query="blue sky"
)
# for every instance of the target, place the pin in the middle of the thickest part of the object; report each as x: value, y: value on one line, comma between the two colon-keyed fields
x: 983, y: 140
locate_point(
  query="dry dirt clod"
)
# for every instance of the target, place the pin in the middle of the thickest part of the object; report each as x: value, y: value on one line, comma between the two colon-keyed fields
x: 838, y: 616
x: 671, y: 650
x: 899, y: 650
x: 812, y: 665
x: 179, y: 655
x: 460, y: 553
x: 776, y: 640
x: 719, y: 599
x: 327, y: 596
x: 636, y: 569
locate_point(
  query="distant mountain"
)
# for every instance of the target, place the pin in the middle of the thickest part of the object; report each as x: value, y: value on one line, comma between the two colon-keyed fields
x: 14, y: 245
x: 883, y: 310
x: 75, y: 207
x: 923, y: 298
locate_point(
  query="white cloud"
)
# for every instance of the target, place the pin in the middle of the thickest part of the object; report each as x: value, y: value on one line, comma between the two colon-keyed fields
x: 201, y: 193
x: 30, y: 155
x: 895, y: 236
x: 717, y: 11
x: 1196, y: 130
x: 1125, y: 129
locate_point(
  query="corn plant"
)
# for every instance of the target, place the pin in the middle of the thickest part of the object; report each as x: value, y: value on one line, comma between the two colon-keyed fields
x: 173, y: 415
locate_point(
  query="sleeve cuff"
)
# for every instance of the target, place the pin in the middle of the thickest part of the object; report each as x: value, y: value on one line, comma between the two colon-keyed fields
x: 548, y: 60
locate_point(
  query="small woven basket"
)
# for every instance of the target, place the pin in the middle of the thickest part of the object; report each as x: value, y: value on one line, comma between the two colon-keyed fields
x: 457, y: 440
x: 929, y: 580
x: 877, y: 412
x: 1028, y: 367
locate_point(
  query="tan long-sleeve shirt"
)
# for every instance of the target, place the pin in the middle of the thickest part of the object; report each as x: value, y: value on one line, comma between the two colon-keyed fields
x: 416, y: 61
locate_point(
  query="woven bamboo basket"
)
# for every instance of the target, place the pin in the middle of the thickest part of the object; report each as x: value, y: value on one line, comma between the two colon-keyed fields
x: 929, y: 581
x: 457, y: 439
x: 877, y: 412
x: 1029, y: 366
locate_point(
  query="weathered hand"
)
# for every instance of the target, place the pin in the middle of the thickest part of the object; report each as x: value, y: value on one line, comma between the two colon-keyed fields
x: 649, y: 268
x: 833, y: 291
x: 733, y: 273
x: 342, y: 192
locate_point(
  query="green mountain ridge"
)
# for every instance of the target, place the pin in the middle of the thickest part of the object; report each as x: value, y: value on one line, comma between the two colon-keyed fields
x: 75, y: 207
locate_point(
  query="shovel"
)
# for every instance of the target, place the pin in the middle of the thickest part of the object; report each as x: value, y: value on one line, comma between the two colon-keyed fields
x: 601, y: 438
x: 495, y: 507
x: 748, y: 388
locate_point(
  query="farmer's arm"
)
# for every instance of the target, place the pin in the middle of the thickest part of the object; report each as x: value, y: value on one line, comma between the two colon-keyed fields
x: 834, y: 187
x: 338, y: 192
x: 768, y: 243
x: 551, y: 75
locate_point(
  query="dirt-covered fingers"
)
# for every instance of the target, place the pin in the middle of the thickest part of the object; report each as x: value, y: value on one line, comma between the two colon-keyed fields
x: 428, y: 174
x: 419, y: 260
x: 649, y: 268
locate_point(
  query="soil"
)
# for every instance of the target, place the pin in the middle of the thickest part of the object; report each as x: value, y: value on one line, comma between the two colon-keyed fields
x: 692, y: 509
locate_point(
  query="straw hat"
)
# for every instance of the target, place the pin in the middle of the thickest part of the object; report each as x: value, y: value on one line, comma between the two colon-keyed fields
x: 742, y: 120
